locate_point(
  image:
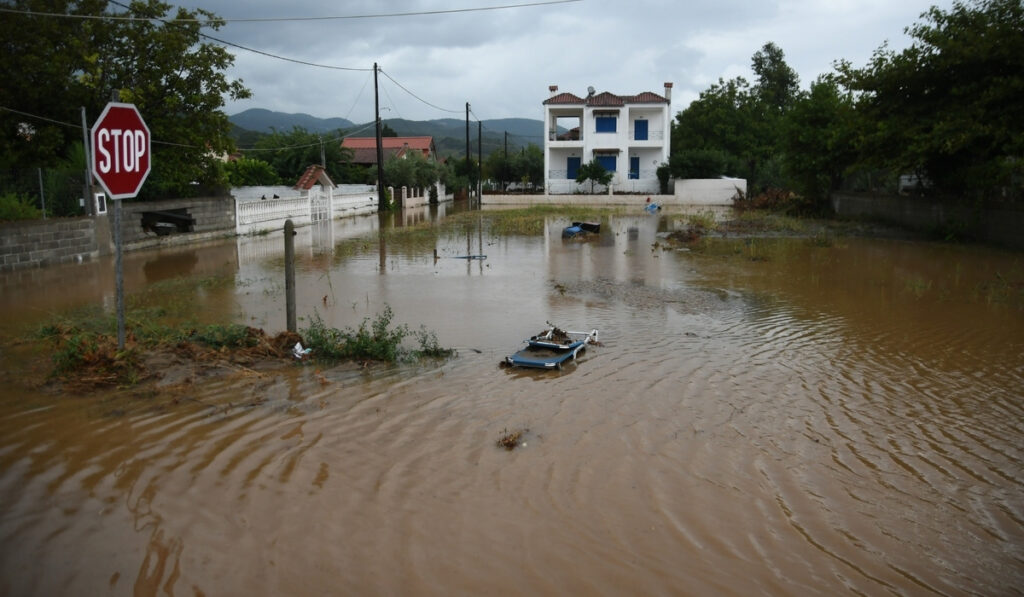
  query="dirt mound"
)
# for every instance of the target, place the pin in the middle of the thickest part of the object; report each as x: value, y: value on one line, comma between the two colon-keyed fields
x: 84, y: 363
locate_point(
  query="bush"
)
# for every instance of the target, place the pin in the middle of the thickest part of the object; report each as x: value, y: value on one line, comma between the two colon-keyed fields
x: 701, y: 163
x: 374, y: 340
x: 15, y: 207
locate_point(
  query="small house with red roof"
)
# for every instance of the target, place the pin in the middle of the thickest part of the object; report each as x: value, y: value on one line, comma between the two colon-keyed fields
x: 364, y: 149
x: 627, y: 134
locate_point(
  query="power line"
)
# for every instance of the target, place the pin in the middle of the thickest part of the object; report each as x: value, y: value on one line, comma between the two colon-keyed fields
x: 172, y: 144
x: 302, y: 146
x: 79, y: 127
x: 287, y: 19
x: 436, y: 107
x: 255, y: 51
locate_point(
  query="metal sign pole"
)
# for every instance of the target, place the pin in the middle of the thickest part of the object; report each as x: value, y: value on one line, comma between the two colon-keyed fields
x: 119, y: 275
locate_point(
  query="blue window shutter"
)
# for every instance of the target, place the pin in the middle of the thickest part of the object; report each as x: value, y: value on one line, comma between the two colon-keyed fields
x: 607, y: 161
x: 572, y: 168
x: 634, y: 168
x: 640, y: 130
x: 605, y: 124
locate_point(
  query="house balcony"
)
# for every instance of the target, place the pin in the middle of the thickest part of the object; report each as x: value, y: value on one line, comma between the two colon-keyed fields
x: 571, y: 138
x: 651, y: 139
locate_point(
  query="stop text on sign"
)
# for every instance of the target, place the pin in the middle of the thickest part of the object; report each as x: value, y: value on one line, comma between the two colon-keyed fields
x: 120, y: 151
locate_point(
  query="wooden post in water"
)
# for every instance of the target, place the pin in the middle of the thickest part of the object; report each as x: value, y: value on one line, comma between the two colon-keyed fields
x: 289, y: 274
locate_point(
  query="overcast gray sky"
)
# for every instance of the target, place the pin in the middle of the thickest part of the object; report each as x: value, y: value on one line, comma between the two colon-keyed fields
x: 502, y: 61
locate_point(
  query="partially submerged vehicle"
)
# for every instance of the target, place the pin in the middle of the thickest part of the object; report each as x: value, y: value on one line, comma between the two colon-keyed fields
x: 551, y: 348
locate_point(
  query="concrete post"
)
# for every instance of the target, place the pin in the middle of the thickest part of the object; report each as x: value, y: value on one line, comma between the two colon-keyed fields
x: 289, y: 274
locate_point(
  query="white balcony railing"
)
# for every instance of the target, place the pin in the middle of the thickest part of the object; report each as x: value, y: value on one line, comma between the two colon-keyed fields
x: 655, y: 136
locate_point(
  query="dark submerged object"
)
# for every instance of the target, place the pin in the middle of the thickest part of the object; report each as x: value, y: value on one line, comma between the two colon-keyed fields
x: 578, y: 228
x: 551, y: 348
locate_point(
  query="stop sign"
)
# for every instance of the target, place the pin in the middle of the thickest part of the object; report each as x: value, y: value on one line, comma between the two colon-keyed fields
x: 120, y: 150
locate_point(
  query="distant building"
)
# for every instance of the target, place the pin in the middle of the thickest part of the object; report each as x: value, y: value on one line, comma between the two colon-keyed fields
x: 627, y: 134
x: 364, y: 149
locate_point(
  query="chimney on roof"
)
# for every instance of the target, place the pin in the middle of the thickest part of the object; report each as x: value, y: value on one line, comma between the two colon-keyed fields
x: 553, y: 89
x: 668, y: 91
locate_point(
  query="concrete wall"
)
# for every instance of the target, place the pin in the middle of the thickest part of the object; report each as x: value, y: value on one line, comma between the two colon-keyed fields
x: 46, y: 242
x: 214, y: 216
x: 709, y: 191
x: 996, y: 224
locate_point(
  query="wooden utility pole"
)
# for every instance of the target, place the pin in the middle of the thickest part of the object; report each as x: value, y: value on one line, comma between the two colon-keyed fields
x: 479, y: 160
x: 381, y: 196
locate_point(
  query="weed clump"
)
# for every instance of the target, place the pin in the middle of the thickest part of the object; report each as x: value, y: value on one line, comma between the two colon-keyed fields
x: 375, y: 340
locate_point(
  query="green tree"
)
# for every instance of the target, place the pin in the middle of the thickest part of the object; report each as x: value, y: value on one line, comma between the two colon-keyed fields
x: 777, y: 84
x: 292, y: 152
x: 819, y: 140
x: 742, y: 121
x: 595, y: 173
x: 412, y: 170
x: 159, y: 62
x: 701, y: 163
x: 251, y: 172
x: 950, y: 106
x: 528, y: 164
x: 721, y: 119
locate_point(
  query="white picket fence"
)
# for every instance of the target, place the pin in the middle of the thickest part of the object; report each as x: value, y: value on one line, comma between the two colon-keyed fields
x: 256, y: 215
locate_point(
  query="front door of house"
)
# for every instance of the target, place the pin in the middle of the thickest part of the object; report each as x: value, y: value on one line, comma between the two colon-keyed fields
x: 572, y: 168
x: 634, y: 167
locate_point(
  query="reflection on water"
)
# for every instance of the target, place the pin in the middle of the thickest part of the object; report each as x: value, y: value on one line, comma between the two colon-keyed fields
x: 764, y: 417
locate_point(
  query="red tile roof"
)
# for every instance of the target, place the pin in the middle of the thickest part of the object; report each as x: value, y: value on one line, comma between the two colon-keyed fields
x: 314, y: 174
x: 565, y: 98
x: 648, y: 97
x: 365, y: 148
x: 606, y: 99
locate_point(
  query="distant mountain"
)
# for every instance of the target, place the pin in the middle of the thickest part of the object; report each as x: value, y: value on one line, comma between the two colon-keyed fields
x: 449, y: 133
x: 266, y: 121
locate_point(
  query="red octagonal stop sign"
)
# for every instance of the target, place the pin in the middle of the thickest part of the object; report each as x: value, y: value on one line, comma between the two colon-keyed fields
x: 120, y: 150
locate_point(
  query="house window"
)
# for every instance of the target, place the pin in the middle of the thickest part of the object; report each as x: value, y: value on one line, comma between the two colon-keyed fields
x: 605, y: 124
x: 607, y: 161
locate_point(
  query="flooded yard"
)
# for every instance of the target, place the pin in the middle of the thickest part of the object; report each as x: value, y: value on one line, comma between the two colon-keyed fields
x: 783, y: 416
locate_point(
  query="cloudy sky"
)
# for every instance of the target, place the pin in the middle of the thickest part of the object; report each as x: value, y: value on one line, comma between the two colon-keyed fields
x: 502, y: 61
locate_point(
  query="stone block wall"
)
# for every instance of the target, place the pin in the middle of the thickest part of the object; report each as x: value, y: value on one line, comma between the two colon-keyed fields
x: 46, y: 242
x: 211, y: 214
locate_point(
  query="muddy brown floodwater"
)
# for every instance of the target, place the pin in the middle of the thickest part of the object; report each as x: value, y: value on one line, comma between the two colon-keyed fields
x: 764, y: 417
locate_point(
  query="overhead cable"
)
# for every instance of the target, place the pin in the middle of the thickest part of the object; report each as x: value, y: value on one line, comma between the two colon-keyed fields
x: 287, y: 19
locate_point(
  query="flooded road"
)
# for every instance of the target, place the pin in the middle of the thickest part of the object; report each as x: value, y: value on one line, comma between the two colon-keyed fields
x: 764, y: 417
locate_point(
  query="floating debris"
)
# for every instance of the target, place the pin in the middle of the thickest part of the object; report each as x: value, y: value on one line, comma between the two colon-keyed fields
x: 510, y: 439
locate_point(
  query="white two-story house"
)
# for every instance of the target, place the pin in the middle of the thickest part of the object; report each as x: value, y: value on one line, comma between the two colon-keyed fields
x: 628, y: 134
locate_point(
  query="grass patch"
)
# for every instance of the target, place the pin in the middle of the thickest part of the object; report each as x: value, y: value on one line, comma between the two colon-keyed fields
x: 704, y: 221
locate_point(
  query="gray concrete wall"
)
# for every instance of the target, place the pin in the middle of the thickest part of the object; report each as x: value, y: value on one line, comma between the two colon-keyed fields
x: 214, y: 216
x: 46, y: 242
x: 995, y: 224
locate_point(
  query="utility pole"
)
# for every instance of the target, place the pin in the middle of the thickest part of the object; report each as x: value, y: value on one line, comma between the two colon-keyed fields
x: 381, y: 197
x: 467, y: 142
x: 87, y: 190
x: 479, y: 161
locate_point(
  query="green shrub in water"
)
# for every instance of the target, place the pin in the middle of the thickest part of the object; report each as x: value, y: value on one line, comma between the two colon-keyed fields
x: 374, y: 340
